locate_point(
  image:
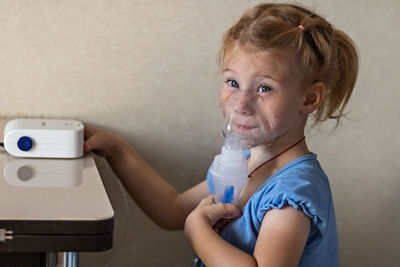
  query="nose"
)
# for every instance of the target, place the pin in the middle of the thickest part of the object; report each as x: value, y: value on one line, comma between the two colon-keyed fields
x: 245, y: 104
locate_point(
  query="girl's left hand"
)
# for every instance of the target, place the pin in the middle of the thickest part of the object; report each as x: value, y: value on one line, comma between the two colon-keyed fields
x: 214, y: 215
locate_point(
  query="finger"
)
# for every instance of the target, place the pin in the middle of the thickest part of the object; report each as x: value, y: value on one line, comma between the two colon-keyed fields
x: 207, y: 201
x: 89, y: 131
x: 87, y: 146
x: 93, y: 142
x: 221, y: 224
x: 228, y: 210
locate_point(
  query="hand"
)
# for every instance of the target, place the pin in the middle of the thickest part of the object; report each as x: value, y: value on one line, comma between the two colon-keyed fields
x: 101, y: 142
x: 214, y: 215
x: 212, y: 249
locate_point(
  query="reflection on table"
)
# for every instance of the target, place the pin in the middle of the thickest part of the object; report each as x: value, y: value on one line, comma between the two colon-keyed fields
x: 43, y: 172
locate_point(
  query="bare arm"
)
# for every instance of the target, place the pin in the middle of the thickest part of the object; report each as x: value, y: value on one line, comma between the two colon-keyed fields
x: 156, y: 197
x: 282, y: 238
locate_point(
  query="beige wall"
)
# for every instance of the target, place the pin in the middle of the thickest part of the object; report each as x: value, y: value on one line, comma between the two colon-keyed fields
x: 147, y: 69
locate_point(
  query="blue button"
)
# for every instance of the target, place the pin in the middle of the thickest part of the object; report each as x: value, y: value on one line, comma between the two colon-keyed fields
x: 25, y: 143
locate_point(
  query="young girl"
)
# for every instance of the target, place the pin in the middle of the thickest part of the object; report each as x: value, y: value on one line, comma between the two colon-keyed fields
x: 281, y: 63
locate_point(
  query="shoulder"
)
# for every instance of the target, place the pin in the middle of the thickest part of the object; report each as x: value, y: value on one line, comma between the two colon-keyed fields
x: 301, y: 184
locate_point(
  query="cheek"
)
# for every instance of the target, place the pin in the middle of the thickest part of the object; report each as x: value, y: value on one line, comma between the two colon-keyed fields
x: 278, y: 115
x: 225, y: 93
x: 223, y: 98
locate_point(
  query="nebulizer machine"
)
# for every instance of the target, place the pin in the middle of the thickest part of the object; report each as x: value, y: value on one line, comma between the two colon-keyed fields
x: 247, y: 123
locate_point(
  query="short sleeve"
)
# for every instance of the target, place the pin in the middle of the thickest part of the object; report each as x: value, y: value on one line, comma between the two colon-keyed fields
x: 302, y: 193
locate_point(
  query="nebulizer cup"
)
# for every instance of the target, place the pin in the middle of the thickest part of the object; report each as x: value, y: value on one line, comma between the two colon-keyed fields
x: 244, y: 126
x: 229, y: 171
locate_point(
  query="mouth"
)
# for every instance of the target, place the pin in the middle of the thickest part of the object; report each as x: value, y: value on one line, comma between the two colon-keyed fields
x: 244, y: 127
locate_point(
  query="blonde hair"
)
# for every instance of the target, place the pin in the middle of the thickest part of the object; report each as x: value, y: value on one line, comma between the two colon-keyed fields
x: 324, y: 53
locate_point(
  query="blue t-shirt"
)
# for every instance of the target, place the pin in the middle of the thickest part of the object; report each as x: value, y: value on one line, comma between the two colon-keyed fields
x: 302, y: 184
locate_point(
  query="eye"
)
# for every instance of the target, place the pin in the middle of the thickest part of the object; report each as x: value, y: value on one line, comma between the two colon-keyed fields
x: 233, y: 83
x: 264, y: 89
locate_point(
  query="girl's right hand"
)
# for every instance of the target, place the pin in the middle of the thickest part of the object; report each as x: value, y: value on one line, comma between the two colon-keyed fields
x: 216, y: 216
x: 103, y: 143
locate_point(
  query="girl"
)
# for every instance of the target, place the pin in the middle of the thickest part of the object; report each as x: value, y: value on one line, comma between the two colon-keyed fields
x: 281, y: 63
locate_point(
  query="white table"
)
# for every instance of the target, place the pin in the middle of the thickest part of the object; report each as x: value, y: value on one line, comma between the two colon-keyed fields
x: 52, y: 207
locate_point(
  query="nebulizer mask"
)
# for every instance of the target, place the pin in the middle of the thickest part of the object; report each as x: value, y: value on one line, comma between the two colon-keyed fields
x: 247, y: 116
x: 247, y: 123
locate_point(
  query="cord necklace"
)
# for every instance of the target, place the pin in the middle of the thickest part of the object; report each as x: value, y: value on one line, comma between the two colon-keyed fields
x: 274, y: 157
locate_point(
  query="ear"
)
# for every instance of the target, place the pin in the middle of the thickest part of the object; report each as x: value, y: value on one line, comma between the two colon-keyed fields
x: 315, y: 94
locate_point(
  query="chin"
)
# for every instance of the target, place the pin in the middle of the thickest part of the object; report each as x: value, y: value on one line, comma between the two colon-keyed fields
x: 247, y: 143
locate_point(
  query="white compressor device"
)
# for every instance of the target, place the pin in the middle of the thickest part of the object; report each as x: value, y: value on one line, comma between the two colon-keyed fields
x: 44, y: 138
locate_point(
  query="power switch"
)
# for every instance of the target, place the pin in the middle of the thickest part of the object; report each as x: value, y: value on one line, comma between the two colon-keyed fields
x: 25, y: 143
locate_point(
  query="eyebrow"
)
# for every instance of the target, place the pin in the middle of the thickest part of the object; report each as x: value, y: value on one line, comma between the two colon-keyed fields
x: 263, y: 76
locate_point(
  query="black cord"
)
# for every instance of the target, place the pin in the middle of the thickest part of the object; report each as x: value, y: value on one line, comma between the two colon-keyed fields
x: 2, y: 144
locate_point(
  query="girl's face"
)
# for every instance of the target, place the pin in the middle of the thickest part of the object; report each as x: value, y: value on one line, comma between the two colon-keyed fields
x: 261, y: 97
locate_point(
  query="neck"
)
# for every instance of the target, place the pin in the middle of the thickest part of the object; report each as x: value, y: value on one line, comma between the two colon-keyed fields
x: 272, y: 157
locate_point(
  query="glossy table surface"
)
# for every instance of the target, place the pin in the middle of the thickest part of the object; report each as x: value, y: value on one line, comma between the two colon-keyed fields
x: 44, y: 197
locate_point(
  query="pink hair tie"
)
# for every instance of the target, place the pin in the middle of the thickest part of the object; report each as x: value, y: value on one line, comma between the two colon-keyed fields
x: 301, y: 27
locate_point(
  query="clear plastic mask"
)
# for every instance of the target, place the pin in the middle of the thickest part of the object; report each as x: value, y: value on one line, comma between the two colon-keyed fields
x: 247, y: 116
